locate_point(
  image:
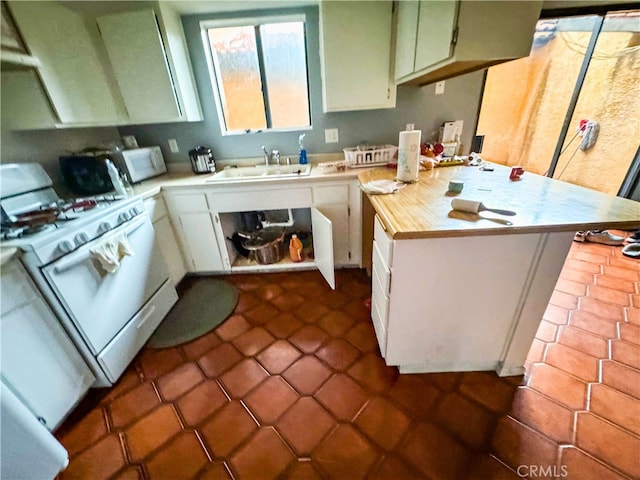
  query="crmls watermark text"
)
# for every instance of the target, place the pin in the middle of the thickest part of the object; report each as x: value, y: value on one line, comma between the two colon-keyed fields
x: 546, y: 471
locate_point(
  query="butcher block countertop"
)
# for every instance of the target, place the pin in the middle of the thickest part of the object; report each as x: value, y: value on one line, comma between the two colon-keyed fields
x: 423, y: 209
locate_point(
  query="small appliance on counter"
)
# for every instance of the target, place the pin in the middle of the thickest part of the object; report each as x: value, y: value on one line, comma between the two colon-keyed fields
x: 86, y: 172
x: 140, y: 163
x: 202, y: 160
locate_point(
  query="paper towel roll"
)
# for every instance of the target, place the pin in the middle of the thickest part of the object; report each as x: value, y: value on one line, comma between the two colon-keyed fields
x: 408, y: 155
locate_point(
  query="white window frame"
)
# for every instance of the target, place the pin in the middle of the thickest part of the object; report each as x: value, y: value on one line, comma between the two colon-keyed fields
x: 217, y: 93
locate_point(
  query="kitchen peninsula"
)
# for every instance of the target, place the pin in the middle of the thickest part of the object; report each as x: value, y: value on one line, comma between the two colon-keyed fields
x: 456, y: 291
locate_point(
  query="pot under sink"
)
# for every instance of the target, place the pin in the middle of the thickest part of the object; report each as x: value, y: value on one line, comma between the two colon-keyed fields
x: 260, y: 171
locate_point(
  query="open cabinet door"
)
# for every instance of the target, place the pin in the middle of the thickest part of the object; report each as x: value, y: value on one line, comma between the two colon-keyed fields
x: 323, y: 246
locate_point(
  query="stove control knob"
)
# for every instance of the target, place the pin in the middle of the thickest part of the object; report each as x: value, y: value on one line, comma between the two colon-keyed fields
x: 81, y: 238
x: 124, y: 217
x: 104, y: 227
x: 66, y: 246
x: 134, y: 211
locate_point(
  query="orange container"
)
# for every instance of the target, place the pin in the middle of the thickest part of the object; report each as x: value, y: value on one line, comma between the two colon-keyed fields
x: 295, y: 249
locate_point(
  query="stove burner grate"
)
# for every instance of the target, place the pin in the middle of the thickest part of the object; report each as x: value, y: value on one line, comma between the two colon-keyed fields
x: 11, y: 232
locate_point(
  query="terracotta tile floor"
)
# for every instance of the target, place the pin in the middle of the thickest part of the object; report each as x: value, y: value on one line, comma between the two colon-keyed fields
x: 292, y: 386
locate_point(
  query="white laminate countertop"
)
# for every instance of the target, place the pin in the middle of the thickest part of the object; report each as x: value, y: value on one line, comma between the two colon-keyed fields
x: 151, y: 187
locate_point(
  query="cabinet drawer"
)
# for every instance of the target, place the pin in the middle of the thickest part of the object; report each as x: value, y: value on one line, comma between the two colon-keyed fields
x: 331, y: 194
x: 381, y: 272
x: 261, y: 200
x: 156, y: 208
x: 380, y: 299
x: 384, y: 241
x: 379, y: 321
x: 188, y: 202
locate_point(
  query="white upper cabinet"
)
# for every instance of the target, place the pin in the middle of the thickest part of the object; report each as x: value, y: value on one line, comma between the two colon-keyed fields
x: 93, y: 68
x: 356, y: 55
x: 156, y: 86
x: 406, y: 34
x: 72, y: 72
x: 140, y: 65
x: 439, y: 39
x: 435, y: 39
x: 25, y: 105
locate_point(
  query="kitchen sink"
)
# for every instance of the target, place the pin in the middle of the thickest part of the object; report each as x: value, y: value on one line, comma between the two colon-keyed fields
x: 238, y: 174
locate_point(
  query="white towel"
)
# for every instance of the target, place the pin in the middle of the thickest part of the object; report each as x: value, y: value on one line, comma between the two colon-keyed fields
x: 382, y: 187
x: 111, y: 251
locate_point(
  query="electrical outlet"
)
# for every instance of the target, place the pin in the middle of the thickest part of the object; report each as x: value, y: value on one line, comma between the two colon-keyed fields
x: 173, y: 145
x: 440, y: 88
x: 331, y: 135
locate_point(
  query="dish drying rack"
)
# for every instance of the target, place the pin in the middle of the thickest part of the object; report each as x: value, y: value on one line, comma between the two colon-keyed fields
x: 357, y: 157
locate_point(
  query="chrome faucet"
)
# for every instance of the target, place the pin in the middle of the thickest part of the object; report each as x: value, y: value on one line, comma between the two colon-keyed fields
x: 275, y: 156
x: 266, y: 156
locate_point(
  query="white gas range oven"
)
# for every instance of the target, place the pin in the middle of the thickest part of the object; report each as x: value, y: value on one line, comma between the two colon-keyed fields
x: 108, y: 315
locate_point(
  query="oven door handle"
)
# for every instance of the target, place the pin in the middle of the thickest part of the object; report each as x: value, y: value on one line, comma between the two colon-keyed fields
x: 83, y: 254
x: 146, y: 317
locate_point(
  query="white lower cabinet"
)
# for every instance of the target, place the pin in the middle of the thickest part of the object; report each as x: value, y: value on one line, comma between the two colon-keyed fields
x: 194, y: 225
x: 334, y: 202
x: 462, y: 303
x: 338, y: 214
x: 323, y: 246
x: 207, y: 220
x: 38, y: 361
x: 307, y: 222
x: 381, y: 284
x: 166, y: 237
x: 200, y: 239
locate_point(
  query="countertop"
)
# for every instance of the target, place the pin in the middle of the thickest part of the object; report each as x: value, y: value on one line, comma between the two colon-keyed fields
x: 187, y: 179
x: 151, y: 187
x: 423, y: 209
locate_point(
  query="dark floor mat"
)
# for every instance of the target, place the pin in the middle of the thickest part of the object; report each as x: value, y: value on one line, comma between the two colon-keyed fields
x: 202, y: 308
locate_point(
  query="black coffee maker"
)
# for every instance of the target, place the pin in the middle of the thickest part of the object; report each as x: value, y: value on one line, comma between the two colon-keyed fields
x: 202, y: 160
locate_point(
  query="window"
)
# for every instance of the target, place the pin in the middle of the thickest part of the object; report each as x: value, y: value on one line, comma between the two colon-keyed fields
x: 258, y: 72
x: 581, y: 69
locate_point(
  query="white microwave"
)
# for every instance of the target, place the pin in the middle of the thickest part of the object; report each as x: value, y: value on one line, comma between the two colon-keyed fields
x: 141, y: 163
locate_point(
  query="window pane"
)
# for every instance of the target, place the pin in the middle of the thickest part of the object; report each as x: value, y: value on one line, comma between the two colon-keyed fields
x: 525, y: 101
x: 610, y: 95
x: 238, y: 77
x: 286, y: 73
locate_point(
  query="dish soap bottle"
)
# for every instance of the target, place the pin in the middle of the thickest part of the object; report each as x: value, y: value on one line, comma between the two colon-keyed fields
x: 295, y: 249
x: 114, y: 175
x: 302, y: 155
x: 128, y: 188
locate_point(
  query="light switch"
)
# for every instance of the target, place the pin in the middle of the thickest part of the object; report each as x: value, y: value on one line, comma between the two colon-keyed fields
x: 440, y: 88
x: 331, y: 135
x: 173, y: 145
